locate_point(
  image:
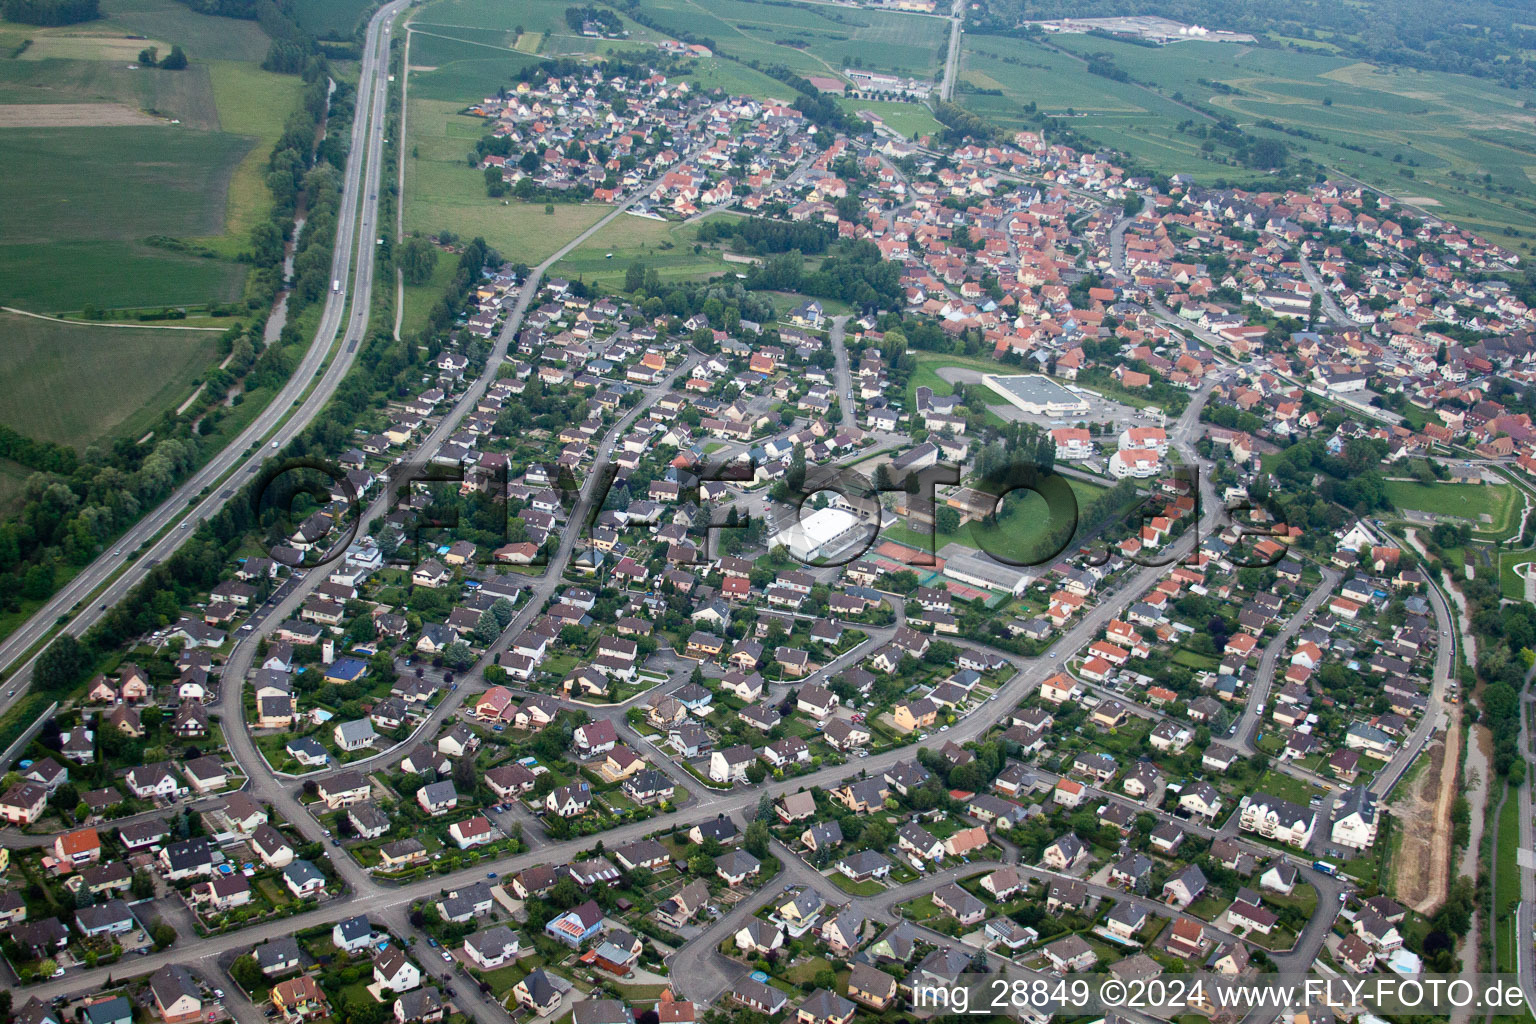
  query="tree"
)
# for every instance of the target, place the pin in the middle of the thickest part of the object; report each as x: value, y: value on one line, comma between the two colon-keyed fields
x: 418, y: 259
x: 458, y: 656
x: 701, y: 864
x: 487, y: 628
x: 465, y: 774
x: 61, y: 665
x: 149, y: 56
x: 756, y: 839
x: 502, y: 609
x: 947, y: 520
x: 247, y: 973
x: 176, y: 60
x: 163, y: 934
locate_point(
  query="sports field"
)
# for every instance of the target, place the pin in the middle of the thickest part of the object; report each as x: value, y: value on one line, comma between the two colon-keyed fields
x: 1493, y: 510
x: 76, y: 384
x: 1426, y: 135
x: 908, y: 120
x: 1020, y: 532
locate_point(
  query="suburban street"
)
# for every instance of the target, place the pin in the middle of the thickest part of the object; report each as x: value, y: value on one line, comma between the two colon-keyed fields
x: 386, y: 902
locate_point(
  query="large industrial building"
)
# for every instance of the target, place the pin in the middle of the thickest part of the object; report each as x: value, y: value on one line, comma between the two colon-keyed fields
x: 1037, y: 395
x: 821, y: 536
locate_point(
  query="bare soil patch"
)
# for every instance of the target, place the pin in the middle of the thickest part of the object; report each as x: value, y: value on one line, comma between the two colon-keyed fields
x: 1422, y: 864
x: 71, y: 115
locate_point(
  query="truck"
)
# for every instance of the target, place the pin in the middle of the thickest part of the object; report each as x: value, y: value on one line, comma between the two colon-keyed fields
x: 1326, y: 867
x: 336, y: 285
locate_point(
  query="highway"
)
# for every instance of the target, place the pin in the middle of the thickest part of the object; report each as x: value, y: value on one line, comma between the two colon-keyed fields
x: 952, y: 58
x: 320, y: 371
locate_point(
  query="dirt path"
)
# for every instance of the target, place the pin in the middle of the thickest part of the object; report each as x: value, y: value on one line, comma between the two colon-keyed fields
x: 1422, y: 865
x: 105, y: 323
x: 1475, y: 787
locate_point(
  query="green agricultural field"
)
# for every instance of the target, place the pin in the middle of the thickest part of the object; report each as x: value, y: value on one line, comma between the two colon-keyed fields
x: 198, y: 174
x: 815, y: 39
x: 1499, y: 503
x: 203, y: 36
x: 664, y: 246
x: 253, y: 104
x: 465, y: 49
x: 461, y: 71
x: 164, y: 181
x: 186, y: 96
x: 75, y: 384
x: 1427, y: 137
x: 335, y: 18
x: 64, y: 276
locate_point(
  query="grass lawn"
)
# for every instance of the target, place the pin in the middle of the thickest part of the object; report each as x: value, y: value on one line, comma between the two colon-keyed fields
x: 1512, y: 585
x: 420, y: 298
x: 1190, y: 659
x: 1303, y: 898
x: 1506, y: 892
x: 1499, y: 503
x: 807, y: 970
x: 75, y: 384
x: 1286, y: 788
x: 868, y: 887
x: 921, y: 909
x: 663, y: 246
x: 926, y: 375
